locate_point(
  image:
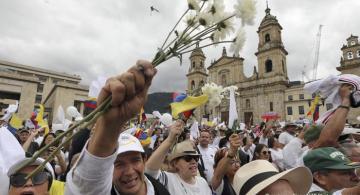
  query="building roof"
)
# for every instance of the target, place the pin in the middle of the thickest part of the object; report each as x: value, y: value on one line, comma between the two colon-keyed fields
x: 40, y: 71
x: 352, y: 37
x: 269, y: 20
x: 197, y: 52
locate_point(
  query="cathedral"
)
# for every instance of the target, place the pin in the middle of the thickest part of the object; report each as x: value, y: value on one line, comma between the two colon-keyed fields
x: 269, y: 89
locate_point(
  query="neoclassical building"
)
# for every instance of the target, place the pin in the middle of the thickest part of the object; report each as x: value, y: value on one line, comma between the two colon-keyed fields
x: 268, y: 89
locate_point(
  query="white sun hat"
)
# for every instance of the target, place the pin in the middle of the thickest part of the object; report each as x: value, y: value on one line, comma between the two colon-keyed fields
x: 255, y: 176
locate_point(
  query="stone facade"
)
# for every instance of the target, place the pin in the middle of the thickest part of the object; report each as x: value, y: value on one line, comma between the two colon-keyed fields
x: 350, y: 64
x: 268, y: 89
x: 32, y: 86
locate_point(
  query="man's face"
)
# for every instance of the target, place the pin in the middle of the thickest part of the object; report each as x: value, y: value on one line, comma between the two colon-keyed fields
x: 339, y: 179
x: 291, y: 128
x: 204, y: 139
x: 29, y: 188
x: 128, y: 176
x: 24, y: 135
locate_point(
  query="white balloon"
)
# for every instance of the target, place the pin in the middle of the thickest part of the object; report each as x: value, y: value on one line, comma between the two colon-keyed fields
x: 358, y: 118
x: 73, y: 112
x: 166, y: 119
x: 156, y: 114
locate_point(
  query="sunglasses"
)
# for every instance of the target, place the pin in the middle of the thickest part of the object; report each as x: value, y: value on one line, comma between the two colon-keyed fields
x: 18, y: 180
x: 189, y: 158
x: 265, y: 152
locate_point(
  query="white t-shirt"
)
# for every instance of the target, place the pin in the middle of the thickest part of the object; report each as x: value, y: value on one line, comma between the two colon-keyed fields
x: 250, y: 151
x: 285, y: 137
x: 177, y: 186
x: 263, y: 140
x: 277, y: 157
x: 208, y: 154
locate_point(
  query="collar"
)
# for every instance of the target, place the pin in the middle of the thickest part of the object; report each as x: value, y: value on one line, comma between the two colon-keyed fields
x: 149, y: 187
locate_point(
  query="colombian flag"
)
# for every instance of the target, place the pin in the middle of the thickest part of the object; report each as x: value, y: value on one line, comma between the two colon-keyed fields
x: 316, y: 113
x: 314, y: 105
x: 186, y: 103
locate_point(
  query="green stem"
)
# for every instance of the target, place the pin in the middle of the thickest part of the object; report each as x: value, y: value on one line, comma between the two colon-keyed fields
x: 206, y: 46
x: 103, y: 106
x: 172, y: 30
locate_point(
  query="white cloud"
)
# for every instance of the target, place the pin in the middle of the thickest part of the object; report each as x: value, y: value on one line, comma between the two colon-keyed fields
x: 88, y: 37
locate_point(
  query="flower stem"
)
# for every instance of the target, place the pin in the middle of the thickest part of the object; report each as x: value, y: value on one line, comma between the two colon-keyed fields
x: 67, y: 140
x: 87, y: 120
x: 207, y: 46
x: 172, y: 30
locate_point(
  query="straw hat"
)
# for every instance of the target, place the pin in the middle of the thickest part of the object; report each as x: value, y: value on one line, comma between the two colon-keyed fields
x: 184, y: 148
x: 259, y: 174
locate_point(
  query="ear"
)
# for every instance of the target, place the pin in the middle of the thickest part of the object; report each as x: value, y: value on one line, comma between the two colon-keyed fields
x: 319, y: 178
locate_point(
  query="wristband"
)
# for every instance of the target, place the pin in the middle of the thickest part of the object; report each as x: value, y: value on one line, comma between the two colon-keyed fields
x: 345, y: 107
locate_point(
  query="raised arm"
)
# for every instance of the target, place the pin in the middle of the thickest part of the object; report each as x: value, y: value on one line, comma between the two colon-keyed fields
x: 129, y: 93
x: 92, y: 175
x: 30, y: 139
x: 336, y: 124
x: 225, y: 162
x: 157, y: 157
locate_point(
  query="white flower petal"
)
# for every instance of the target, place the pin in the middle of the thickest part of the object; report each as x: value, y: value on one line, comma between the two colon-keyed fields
x: 205, y: 18
x: 246, y: 10
x: 239, y: 42
x: 193, y: 5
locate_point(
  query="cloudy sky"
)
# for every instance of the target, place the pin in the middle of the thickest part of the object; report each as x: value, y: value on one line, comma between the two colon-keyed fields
x: 92, y: 37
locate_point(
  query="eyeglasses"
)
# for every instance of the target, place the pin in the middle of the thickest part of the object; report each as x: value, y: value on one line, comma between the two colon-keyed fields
x: 189, y: 158
x: 265, y: 152
x: 18, y: 180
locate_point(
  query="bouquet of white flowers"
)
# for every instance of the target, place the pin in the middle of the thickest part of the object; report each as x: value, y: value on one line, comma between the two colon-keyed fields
x: 206, y: 23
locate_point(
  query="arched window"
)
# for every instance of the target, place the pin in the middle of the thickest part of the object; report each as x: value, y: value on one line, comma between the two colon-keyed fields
x: 247, y: 103
x: 268, y: 66
x: 267, y: 38
x: 271, y: 106
x: 192, y: 85
x: 358, y: 53
x: 223, y: 80
x: 350, y: 55
x: 283, y: 65
x: 201, y: 64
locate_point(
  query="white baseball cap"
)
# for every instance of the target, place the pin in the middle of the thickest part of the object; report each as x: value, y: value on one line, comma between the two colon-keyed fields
x: 128, y: 143
x: 37, y: 162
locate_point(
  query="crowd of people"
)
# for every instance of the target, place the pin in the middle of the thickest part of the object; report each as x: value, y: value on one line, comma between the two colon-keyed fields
x: 261, y: 159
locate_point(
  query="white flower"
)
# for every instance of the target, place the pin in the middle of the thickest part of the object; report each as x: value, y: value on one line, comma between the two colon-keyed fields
x: 190, y: 19
x: 193, y: 5
x: 239, y: 42
x: 205, y: 18
x: 217, y: 9
x: 224, y: 28
x: 246, y: 10
x: 214, y: 92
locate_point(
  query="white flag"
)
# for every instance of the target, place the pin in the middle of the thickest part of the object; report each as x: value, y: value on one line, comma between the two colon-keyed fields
x: 232, y: 108
x: 194, y: 130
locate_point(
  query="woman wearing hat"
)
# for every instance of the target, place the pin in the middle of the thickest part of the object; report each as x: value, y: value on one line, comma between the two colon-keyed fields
x: 225, y: 167
x: 184, y: 159
x: 261, y: 177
